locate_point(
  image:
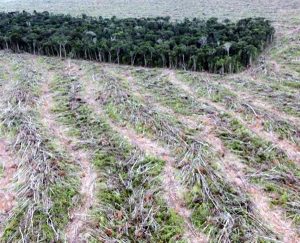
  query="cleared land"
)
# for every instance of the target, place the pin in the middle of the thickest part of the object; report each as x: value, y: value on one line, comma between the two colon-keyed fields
x: 233, y: 9
x: 98, y: 152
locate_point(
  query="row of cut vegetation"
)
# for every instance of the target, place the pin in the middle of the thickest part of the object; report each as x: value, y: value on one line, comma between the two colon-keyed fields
x: 218, y: 209
x: 219, y: 93
x: 46, y: 185
x: 271, y: 167
x: 129, y: 204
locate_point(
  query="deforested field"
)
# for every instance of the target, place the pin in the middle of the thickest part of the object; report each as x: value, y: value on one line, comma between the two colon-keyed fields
x: 98, y: 152
x: 177, y: 9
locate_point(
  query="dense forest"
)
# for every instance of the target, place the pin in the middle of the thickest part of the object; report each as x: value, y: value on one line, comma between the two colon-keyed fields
x: 196, y: 44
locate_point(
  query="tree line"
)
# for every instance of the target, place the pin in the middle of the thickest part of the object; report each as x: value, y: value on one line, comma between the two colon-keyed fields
x: 195, y: 44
